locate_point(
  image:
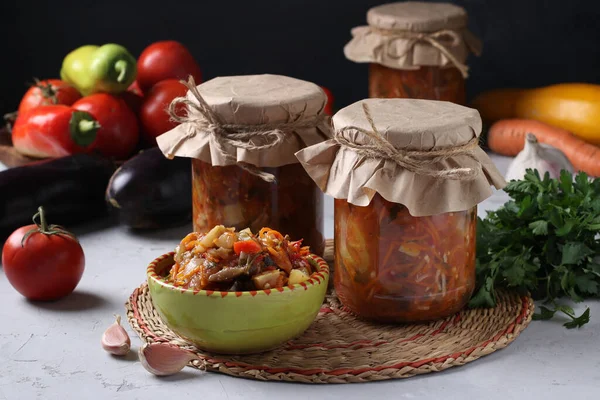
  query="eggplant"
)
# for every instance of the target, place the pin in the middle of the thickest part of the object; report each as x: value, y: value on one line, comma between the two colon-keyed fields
x: 150, y: 191
x: 71, y: 190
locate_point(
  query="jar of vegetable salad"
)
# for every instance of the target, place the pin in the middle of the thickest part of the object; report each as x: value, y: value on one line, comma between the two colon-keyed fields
x: 241, y: 133
x: 406, y: 176
x: 415, y: 50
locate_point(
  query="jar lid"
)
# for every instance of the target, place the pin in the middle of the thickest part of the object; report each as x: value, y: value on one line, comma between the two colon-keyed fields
x: 423, y: 154
x: 260, y: 99
x: 407, y: 35
x: 258, y: 120
x: 417, y: 16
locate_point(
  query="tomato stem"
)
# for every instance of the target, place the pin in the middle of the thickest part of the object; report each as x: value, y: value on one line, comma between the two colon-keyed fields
x: 47, y: 90
x: 44, y: 228
x: 121, y: 68
x: 43, y: 224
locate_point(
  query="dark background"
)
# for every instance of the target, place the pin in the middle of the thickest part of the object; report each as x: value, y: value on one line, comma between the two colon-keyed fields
x: 527, y: 43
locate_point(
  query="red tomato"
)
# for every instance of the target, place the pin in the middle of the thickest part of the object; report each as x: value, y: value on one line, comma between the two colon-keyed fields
x: 166, y: 60
x: 247, y: 246
x: 119, y: 131
x: 329, y: 106
x: 48, y: 92
x: 153, y: 115
x: 53, y: 131
x: 47, y: 264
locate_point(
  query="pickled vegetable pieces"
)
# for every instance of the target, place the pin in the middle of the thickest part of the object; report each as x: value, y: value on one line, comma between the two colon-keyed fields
x: 427, y: 82
x: 392, y: 266
x: 226, y: 260
x: 406, y: 188
x: 233, y: 197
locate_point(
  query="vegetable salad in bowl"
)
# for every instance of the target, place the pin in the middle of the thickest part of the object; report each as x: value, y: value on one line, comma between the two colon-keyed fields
x: 237, y: 292
x: 226, y: 260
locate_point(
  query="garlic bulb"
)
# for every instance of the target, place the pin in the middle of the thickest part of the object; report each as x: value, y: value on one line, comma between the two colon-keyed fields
x: 543, y: 157
x: 164, y: 359
x: 115, y: 339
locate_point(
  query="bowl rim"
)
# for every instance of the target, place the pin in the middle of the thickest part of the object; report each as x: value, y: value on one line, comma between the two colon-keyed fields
x: 316, y: 279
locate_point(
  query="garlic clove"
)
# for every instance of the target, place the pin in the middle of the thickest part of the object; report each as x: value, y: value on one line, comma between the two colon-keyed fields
x: 115, y: 339
x: 164, y: 359
x: 542, y: 157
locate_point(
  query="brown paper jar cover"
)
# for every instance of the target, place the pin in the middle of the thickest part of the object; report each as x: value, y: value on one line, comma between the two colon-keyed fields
x: 251, y: 100
x: 408, y: 124
x: 383, y: 40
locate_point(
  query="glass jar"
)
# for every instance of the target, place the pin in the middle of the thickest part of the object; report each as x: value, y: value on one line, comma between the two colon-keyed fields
x: 393, y: 267
x: 427, y: 82
x: 242, y: 134
x: 415, y: 50
x: 233, y: 197
x: 407, y: 176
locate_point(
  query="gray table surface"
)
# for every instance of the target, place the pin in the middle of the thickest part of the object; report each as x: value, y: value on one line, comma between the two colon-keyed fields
x: 52, y: 351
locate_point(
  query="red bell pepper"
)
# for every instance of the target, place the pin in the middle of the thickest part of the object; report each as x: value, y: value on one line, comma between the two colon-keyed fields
x: 54, y: 131
x: 99, y: 122
x: 246, y: 246
x: 119, y: 133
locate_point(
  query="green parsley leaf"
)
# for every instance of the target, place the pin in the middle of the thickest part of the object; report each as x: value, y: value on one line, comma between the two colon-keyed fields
x: 566, y: 228
x: 545, y: 313
x: 568, y: 310
x: 484, y: 296
x: 578, y: 322
x: 592, y: 269
x: 586, y: 284
x: 574, y: 253
x: 543, y: 240
x: 556, y: 218
x: 566, y: 182
x: 539, y: 227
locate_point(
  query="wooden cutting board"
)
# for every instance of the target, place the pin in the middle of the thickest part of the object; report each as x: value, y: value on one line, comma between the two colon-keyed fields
x: 8, y: 155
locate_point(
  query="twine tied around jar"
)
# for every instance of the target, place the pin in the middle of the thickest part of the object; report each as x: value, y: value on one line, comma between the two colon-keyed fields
x: 433, y: 38
x: 248, y: 137
x: 416, y: 161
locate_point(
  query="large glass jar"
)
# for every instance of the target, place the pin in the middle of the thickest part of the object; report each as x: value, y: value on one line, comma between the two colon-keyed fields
x: 242, y: 134
x: 407, y: 176
x: 393, y: 267
x: 233, y: 197
x: 427, y: 82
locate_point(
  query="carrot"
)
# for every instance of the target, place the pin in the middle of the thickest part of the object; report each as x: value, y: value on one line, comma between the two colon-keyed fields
x: 507, y: 137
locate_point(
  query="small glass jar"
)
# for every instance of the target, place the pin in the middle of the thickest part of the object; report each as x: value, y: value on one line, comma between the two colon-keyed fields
x: 415, y: 50
x: 427, y: 82
x: 393, y: 267
x: 233, y: 197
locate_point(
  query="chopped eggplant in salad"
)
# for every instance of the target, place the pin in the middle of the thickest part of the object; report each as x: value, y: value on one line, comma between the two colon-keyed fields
x: 226, y: 260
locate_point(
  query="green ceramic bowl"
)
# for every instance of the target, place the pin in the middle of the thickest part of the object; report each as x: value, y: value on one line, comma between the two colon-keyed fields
x: 237, y: 322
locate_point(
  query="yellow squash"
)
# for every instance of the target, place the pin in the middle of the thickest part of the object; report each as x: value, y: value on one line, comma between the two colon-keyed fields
x: 571, y: 106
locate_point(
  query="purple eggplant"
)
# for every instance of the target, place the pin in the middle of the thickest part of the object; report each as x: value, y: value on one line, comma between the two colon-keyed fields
x: 150, y: 191
x: 71, y: 190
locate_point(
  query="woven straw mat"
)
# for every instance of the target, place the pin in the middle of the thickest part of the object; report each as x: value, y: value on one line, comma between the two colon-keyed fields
x: 339, y: 348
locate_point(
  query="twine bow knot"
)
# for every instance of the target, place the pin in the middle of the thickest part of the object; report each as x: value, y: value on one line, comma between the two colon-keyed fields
x: 223, y: 135
x: 416, y: 161
x: 433, y: 38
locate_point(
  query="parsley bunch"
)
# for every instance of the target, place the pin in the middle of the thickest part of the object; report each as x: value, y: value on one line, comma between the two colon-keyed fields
x: 543, y: 241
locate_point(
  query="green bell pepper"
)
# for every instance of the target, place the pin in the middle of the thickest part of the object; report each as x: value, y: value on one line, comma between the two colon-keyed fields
x: 91, y: 69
